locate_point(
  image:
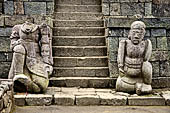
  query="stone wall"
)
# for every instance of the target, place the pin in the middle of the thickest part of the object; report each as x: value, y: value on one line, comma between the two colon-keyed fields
x: 6, y: 96
x: 119, y: 14
x: 14, y: 12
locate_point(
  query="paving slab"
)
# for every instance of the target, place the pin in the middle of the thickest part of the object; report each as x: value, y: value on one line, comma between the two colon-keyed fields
x: 147, y: 100
x: 64, y: 99
x: 166, y: 95
x: 87, y: 100
x: 111, y: 99
x: 38, y: 99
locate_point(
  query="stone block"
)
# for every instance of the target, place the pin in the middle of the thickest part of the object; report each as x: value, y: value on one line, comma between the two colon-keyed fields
x: 38, y: 99
x: 111, y: 99
x: 158, y: 32
x: 5, y: 31
x: 19, y: 8
x: 105, y: 9
x: 9, y: 7
x: 155, y: 67
x: 78, y: 83
x: 35, y: 8
x: 148, y: 9
x: 16, y: 19
x: 4, y: 69
x: 53, y: 90
x: 20, y: 99
x: 87, y: 100
x: 166, y: 96
x: 2, y: 21
x: 115, y: 9
x: 162, y: 43
x: 150, y: 22
x: 113, y: 69
x: 99, y: 83
x: 103, y: 90
x: 132, y: 8
x: 4, y: 44
x: 153, y: 41
x: 164, y: 68
x: 116, y: 32
x: 148, y: 100
x: 128, y: 0
x: 159, y: 56
x: 64, y: 99
x: 161, y: 8
x: 113, y: 43
x: 161, y: 82
x: 113, y: 55
x: 50, y: 8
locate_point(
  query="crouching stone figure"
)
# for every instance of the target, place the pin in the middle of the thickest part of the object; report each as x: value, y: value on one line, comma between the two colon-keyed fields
x: 32, y: 57
x: 135, y: 72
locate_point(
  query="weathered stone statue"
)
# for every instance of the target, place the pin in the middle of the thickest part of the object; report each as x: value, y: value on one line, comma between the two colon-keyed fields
x: 135, y: 72
x: 32, y: 57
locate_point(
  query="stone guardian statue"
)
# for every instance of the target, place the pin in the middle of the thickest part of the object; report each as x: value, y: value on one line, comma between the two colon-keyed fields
x: 32, y: 57
x: 135, y: 70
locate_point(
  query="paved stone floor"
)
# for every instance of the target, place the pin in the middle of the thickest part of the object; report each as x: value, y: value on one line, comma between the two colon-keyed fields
x: 93, y: 109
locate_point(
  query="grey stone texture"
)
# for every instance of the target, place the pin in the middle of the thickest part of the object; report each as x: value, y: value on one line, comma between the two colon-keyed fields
x: 6, y: 96
x: 146, y: 101
x: 2, y: 21
x: 17, y: 19
x: 128, y: 8
x: 20, y: 100
x: 4, y: 69
x: 38, y: 99
x: 35, y: 8
x: 50, y: 7
x: 64, y: 99
x: 5, y: 31
x: 87, y: 100
x: 105, y: 9
x: 9, y: 7
x: 161, y: 8
x: 115, y: 9
x: 19, y: 8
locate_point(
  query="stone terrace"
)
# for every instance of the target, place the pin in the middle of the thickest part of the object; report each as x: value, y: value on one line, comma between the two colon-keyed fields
x: 91, y: 96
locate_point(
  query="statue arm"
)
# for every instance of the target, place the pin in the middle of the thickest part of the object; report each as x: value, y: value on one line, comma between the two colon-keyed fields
x: 15, y: 38
x: 46, y: 44
x: 148, y: 50
x: 121, y: 54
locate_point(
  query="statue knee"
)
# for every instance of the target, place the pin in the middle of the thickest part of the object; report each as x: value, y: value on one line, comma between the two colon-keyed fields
x: 147, y: 72
x: 19, y: 49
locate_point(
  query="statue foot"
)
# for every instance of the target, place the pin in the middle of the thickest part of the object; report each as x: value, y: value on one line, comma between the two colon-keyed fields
x: 20, y: 83
x: 142, y: 88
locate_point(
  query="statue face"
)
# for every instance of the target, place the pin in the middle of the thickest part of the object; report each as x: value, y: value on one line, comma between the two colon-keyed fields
x: 137, y: 36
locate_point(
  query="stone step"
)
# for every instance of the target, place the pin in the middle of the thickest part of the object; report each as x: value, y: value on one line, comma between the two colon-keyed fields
x: 80, y: 72
x: 78, y: 2
x: 81, y: 61
x: 79, y: 51
x: 78, y: 31
x: 85, y: 82
x: 78, y: 8
x: 78, y: 23
x: 79, y: 41
x: 72, y: 96
x: 77, y: 16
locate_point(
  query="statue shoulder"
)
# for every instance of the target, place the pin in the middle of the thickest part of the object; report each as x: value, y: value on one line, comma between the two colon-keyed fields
x: 16, y: 27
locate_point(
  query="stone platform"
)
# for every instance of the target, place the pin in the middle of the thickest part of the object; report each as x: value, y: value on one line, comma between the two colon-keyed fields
x: 89, y: 96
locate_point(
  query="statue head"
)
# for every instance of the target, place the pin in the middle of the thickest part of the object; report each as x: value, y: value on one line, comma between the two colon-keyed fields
x: 137, y: 32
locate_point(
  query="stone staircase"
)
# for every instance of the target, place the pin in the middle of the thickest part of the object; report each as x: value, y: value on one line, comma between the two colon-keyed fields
x: 79, y: 47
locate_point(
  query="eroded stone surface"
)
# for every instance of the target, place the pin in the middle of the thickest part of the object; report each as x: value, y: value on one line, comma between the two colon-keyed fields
x: 135, y: 72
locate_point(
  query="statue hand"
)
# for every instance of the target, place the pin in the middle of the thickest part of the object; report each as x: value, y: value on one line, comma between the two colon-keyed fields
x: 49, y: 69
